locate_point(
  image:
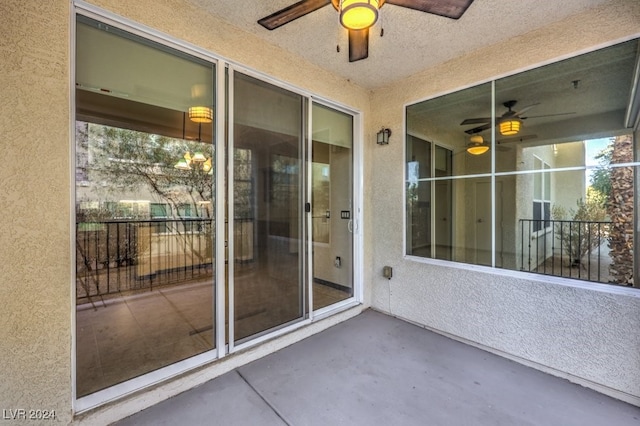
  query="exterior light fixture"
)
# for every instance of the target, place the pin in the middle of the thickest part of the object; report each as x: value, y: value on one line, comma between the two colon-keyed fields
x: 201, y: 114
x: 359, y: 14
x: 383, y: 136
x: 476, y: 145
x: 510, y: 126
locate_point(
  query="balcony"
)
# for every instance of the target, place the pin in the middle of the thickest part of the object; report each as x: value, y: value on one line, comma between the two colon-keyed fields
x: 377, y: 370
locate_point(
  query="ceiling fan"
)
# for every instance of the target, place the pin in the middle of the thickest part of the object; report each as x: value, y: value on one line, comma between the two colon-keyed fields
x: 359, y: 16
x: 479, y: 145
x: 509, y: 123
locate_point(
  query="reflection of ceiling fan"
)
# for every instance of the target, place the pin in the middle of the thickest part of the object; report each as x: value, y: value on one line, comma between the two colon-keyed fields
x: 478, y: 145
x: 358, y: 15
x: 509, y: 123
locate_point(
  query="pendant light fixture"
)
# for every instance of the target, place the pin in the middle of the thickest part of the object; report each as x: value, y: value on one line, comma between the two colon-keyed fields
x: 201, y: 114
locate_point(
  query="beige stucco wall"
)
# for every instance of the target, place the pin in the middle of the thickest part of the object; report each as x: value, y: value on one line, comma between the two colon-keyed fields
x: 35, y: 323
x: 588, y: 333
x: 35, y: 196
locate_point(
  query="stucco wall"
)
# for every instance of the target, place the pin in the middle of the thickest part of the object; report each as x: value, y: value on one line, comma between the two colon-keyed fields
x: 35, y: 196
x: 35, y: 323
x: 589, y: 333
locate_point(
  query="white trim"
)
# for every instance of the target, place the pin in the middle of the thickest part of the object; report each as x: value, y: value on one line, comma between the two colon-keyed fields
x: 357, y: 197
x: 220, y: 278
x: 528, y: 172
x: 405, y: 133
x: 493, y: 173
x: 230, y: 261
x: 331, y: 310
x: 72, y: 201
x: 137, y: 383
x: 268, y: 335
x: 308, y: 215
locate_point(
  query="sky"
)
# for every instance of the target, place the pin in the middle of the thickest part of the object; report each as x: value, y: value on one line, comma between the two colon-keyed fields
x: 593, y: 148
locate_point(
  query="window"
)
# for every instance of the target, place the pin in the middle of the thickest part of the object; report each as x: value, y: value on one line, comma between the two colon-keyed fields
x: 543, y: 194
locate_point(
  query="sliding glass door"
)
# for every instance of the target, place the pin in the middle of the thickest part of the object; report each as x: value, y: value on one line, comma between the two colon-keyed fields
x: 186, y: 244
x: 268, y: 258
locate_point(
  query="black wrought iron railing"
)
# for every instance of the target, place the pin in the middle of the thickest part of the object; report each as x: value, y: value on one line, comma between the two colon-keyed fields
x: 565, y: 248
x: 127, y: 255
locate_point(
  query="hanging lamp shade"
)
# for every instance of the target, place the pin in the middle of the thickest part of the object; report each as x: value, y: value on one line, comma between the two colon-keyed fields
x: 510, y: 126
x: 201, y: 114
x: 206, y: 166
x: 358, y: 14
x: 198, y: 157
x: 182, y: 165
x: 476, y: 145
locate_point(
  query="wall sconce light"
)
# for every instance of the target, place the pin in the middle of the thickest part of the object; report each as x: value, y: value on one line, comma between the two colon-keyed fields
x: 383, y: 136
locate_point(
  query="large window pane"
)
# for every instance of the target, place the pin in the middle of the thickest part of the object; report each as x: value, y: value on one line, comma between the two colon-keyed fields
x: 451, y: 121
x: 144, y: 207
x: 563, y: 104
x: 563, y: 181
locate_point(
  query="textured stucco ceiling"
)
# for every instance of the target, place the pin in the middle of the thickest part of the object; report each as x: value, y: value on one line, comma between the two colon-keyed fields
x: 412, y: 40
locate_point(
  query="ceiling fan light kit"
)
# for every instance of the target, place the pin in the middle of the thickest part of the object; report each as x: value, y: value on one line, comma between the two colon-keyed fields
x: 358, y: 14
x: 510, y: 126
x: 476, y: 145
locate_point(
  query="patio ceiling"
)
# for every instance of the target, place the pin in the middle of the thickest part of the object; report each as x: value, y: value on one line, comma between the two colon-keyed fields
x: 412, y: 40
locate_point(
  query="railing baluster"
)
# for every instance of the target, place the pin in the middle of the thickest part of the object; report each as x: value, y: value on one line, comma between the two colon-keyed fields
x: 577, y: 239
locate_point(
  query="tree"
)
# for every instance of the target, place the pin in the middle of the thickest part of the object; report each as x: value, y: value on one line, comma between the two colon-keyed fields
x: 578, y: 230
x: 130, y: 160
x: 601, y: 176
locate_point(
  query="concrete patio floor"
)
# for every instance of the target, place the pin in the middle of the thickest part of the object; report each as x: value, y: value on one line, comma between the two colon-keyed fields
x: 375, y: 369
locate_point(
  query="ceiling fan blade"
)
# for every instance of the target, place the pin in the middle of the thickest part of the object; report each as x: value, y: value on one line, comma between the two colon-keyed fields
x: 358, y: 44
x: 525, y: 109
x: 516, y: 139
x: 476, y: 121
x: 290, y: 13
x: 453, y: 9
x: 478, y: 129
x: 548, y: 115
